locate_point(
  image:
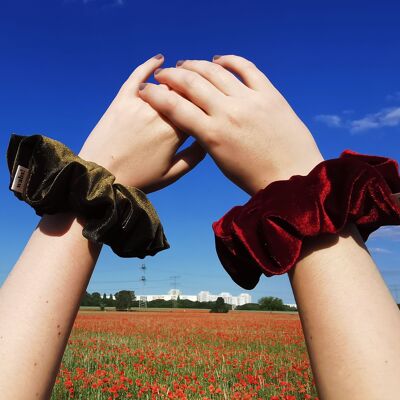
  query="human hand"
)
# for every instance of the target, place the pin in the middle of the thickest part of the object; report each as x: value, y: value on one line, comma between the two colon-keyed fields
x: 135, y: 143
x: 247, y: 126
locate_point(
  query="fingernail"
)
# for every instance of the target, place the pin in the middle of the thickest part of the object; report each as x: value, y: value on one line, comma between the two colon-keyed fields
x: 158, y: 56
x: 216, y: 57
x: 157, y: 71
x: 180, y: 62
x: 142, y: 86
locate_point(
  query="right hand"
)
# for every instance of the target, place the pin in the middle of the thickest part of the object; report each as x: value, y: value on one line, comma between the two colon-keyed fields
x: 246, y: 125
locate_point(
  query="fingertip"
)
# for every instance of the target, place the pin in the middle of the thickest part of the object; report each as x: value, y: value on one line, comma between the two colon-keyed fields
x: 154, y: 62
x: 142, y: 86
x: 145, y: 90
x: 246, y: 70
x: 143, y: 71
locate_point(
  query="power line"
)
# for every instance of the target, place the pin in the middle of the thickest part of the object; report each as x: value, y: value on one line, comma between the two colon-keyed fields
x: 114, y: 289
x: 132, y: 281
x: 174, y: 280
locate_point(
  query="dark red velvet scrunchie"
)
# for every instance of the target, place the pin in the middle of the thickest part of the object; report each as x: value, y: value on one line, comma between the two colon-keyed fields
x: 266, y: 234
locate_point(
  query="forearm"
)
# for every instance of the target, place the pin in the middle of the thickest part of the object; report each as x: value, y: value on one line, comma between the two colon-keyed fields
x: 350, y: 321
x: 38, y: 305
x: 40, y: 298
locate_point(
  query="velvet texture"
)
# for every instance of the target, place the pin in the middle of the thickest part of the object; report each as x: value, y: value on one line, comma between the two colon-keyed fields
x: 265, y: 235
x: 60, y: 181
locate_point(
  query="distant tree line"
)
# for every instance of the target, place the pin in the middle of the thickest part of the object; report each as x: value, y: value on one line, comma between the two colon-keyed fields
x: 125, y: 299
x: 220, y: 306
x: 267, y: 304
x: 187, y: 304
x: 122, y: 300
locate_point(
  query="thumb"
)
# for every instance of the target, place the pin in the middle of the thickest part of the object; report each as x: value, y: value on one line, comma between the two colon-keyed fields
x: 182, y: 163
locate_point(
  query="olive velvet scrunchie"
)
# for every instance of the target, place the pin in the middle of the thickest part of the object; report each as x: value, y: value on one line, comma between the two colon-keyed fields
x: 52, y: 179
x: 265, y: 235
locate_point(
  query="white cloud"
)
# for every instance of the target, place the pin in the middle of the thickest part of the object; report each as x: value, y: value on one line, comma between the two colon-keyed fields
x: 387, y: 232
x: 331, y: 120
x: 379, y: 250
x: 105, y: 3
x: 386, y: 117
x: 347, y: 112
x: 393, y: 97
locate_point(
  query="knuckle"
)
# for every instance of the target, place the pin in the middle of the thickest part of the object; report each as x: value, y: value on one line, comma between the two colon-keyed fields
x: 234, y: 119
x: 129, y: 83
x: 190, y: 79
x: 205, y: 65
x: 136, y: 71
x: 212, y: 72
x: 192, y: 63
x: 217, y: 67
x: 125, y: 88
x: 235, y: 115
x: 215, y: 71
x: 171, y: 103
x: 243, y: 62
x: 248, y: 65
x: 272, y: 100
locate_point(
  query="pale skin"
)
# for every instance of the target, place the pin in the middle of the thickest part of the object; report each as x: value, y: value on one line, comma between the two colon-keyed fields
x: 45, y: 286
x: 255, y: 138
x: 350, y: 320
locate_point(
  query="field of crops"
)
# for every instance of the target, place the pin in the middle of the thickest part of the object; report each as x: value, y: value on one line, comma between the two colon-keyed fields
x: 185, y: 355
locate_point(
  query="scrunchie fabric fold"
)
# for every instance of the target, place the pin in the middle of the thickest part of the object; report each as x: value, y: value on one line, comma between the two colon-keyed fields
x: 52, y: 179
x: 265, y: 235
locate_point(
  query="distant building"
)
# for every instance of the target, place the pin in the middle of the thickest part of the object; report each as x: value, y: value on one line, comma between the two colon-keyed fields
x: 203, y: 296
x: 244, y: 298
x: 228, y: 298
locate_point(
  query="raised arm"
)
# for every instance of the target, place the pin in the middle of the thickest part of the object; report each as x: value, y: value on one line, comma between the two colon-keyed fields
x: 350, y: 321
x: 40, y: 298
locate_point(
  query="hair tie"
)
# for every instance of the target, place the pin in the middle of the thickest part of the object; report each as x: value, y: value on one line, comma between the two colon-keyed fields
x: 52, y: 179
x: 265, y: 235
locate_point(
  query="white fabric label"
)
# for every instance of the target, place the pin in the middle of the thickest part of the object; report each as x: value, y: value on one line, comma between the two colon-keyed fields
x: 20, y: 179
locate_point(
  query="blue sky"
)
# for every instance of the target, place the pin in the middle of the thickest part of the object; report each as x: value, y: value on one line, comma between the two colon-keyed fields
x: 62, y: 62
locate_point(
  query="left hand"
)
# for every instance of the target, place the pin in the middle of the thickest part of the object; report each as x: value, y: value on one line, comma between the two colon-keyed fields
x: 135, y: 143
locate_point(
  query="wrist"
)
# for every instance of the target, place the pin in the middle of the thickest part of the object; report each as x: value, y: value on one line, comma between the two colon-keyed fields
x: 266, y: 235
x: 285, y: 171
x: 61, y: 182
x: 312, y: 245
x: 60, y: 223
x: 88, y: 153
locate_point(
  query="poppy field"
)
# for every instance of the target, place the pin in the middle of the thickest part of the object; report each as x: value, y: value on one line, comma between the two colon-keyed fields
x: 185, y: 355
